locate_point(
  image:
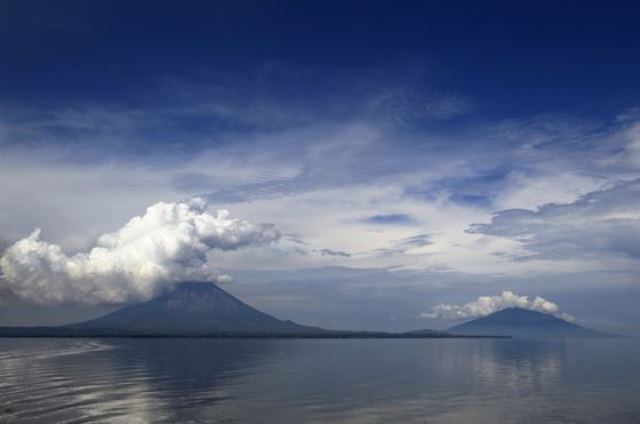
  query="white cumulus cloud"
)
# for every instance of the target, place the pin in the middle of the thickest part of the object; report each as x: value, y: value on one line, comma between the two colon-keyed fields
x: 485, y: 305
x: 169, y: 243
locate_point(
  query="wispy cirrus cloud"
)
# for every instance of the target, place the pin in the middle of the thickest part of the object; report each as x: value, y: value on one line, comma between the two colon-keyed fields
x: 329, y: 252
x: 360, y: 191
x: 597, y: 225
x: 390, y: 219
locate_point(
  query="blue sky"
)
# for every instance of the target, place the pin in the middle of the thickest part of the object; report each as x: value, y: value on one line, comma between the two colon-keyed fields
x: 409, y: 154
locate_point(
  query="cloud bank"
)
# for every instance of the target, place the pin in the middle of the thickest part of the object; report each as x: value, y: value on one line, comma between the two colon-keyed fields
x: 599, y: 224
x: 485, y: 305
x: 169, y: 243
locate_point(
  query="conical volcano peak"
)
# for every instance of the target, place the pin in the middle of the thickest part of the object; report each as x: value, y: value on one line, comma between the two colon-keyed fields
x: 195, y: 286
x: 195, y: 289
x: 514, y: 312
x: 517, y: 310
x: 193, y: 307
x: 520, y: 322
x: 197, y: 297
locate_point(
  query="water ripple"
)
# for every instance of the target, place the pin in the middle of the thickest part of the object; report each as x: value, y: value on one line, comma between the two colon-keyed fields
x: 281, y: 381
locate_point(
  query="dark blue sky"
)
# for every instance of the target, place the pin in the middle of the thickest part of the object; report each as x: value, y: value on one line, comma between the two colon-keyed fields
x: 512, y: 58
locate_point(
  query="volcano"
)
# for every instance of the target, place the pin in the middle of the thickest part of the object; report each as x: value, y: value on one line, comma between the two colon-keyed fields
x: 192, y: 308
x: 524, y: 323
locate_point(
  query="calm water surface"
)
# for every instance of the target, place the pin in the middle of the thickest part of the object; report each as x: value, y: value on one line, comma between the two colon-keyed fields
x: 303, y: 381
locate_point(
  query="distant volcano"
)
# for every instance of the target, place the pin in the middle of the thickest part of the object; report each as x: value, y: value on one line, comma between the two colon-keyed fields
x: 198, y: 309
x: 518, y: 322
x: 193, y: 308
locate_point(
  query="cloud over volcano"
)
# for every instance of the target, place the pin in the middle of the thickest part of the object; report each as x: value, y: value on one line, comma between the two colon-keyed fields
x: 486, y: 305
x: 169, y: 243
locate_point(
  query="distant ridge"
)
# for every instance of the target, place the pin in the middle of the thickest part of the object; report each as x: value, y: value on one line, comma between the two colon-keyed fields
x: 518, y: 322
x: 201, y: 309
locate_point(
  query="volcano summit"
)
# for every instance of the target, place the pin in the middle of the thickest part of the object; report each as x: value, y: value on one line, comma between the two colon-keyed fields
x: 193, y: 308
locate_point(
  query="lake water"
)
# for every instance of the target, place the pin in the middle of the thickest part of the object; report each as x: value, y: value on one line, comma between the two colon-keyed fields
x: 306, y: 381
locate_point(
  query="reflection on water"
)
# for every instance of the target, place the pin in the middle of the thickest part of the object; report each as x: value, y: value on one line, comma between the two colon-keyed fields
x: 280, y: 381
